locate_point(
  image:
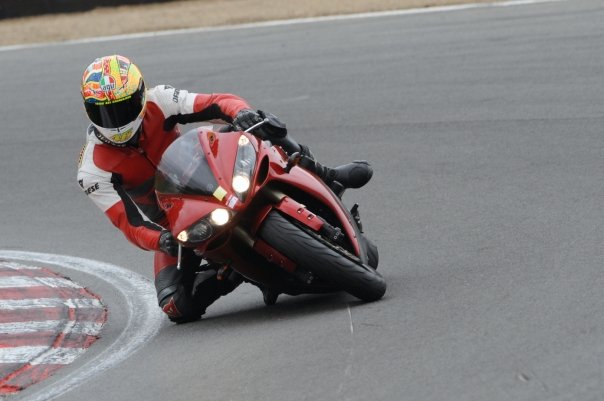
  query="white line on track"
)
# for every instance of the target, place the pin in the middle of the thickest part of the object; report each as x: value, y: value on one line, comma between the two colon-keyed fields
x: 23, y: 282
x: 144, y: 320
x: 35, y: 303
x: 89, y: 328
x: 18, y: 266
x: 40, y: 355
x: 295, y: 21
x: 350, y: 318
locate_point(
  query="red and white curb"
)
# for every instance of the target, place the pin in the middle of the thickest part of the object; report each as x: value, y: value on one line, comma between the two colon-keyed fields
x: 47, y: 321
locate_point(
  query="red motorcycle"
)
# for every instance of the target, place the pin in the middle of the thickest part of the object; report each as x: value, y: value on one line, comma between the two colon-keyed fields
x: 242, y: 203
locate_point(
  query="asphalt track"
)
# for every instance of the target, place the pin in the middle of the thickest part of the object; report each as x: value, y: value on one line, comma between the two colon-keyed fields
x: 485, y: 130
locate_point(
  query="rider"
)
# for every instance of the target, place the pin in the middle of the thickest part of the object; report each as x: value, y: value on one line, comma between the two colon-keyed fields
x: 130, y: 128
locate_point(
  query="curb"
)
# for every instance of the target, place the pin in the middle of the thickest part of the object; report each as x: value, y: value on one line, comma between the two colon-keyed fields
x: 46, y: 322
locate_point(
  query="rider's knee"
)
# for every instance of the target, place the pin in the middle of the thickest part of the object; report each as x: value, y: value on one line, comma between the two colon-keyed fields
x: 173, y: 296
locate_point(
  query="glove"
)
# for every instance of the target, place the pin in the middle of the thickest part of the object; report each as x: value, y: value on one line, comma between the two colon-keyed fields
x: 167, y: 243
x: 247, y: 118
x: 272, y: 129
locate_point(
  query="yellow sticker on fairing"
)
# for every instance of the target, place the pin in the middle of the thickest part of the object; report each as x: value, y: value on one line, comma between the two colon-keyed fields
x: 220, y: 193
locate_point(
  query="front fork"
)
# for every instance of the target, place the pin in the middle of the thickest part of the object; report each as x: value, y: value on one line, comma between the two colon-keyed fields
x: 179, y: 256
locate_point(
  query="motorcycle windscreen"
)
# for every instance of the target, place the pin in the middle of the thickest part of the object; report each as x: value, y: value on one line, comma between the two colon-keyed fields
x: 184, y: 169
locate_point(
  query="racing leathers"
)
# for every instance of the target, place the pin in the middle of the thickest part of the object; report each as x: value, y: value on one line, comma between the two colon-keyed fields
x: 120, y: 181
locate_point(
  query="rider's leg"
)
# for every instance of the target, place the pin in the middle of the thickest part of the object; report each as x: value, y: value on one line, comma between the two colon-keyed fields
x: 211, y: 284
x: 183, y: 294
x: 174, y: 290
x: 351, y: 175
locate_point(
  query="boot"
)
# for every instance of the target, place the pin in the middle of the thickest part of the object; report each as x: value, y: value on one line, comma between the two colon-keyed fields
x: 351, y: 175
x: 338, y: 179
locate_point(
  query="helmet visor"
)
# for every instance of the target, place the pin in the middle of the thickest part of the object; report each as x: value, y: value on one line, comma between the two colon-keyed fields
x: 117, y: 114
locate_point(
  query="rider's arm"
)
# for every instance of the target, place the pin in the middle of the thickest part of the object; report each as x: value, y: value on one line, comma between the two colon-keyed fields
x: 142, y: 233
x: 104, y: 190
x: 180, y: 106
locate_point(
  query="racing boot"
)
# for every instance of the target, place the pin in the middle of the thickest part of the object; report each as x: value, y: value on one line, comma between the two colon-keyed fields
x: 338, y: 179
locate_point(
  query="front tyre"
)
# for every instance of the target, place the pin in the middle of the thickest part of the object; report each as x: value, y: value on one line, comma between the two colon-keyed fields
x: 330, y: 263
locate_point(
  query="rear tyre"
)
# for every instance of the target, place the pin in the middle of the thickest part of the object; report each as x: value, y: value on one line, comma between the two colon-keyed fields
x: 333, y: 264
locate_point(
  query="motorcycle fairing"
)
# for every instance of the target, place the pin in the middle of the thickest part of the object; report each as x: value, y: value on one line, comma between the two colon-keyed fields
x: 181, y: 214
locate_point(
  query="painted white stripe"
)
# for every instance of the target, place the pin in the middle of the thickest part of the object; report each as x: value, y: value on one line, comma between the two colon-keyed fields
x: 295, y: 21
x: 58, y: 356
x: 17, y: 266
x: 350, y: 318
x: 145, y: 318
x: 33, y: 303
x: 40, y: 355
x: 70, y: 326
x: 24, y: 281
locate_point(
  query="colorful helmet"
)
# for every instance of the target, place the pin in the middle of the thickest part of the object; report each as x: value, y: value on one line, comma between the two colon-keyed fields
x: 114, y: 97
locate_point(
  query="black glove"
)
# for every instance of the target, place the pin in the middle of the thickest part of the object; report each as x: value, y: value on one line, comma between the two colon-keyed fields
x: 167, y: 243
x: 247, y: 118
x: 272, y: 129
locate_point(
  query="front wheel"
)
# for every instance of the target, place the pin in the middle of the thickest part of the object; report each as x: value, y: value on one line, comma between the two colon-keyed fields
x: 332, y: 264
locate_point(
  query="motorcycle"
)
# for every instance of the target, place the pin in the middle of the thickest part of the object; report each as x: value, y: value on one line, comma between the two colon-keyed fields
x: 242, y: 203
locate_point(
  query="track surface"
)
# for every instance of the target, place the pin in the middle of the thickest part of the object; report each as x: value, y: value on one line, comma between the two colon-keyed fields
x: 485, y: 130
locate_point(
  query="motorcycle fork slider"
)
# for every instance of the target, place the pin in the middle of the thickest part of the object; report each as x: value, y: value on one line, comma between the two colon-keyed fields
x: 179, y: 256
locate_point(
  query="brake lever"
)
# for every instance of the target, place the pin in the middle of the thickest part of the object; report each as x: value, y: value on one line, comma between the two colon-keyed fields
x: 253, y: 127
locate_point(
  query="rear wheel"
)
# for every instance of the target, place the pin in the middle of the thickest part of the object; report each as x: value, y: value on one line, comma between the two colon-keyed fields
x: 331, y: 263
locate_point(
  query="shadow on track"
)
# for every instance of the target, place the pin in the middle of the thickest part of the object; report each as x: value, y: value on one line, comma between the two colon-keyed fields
x: 287, y: 308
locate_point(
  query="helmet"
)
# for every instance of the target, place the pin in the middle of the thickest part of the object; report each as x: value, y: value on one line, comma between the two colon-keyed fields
x: 113, y: 90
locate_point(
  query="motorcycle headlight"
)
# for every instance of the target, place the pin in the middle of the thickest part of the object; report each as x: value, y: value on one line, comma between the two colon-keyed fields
x: 204, y: 228
x: 198, y: 232
x: 244, y: 167
x: 220, y: 217
x: 241, y: 183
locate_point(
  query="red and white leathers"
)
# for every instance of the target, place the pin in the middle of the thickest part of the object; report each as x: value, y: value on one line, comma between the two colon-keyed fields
x: 120, y: 180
